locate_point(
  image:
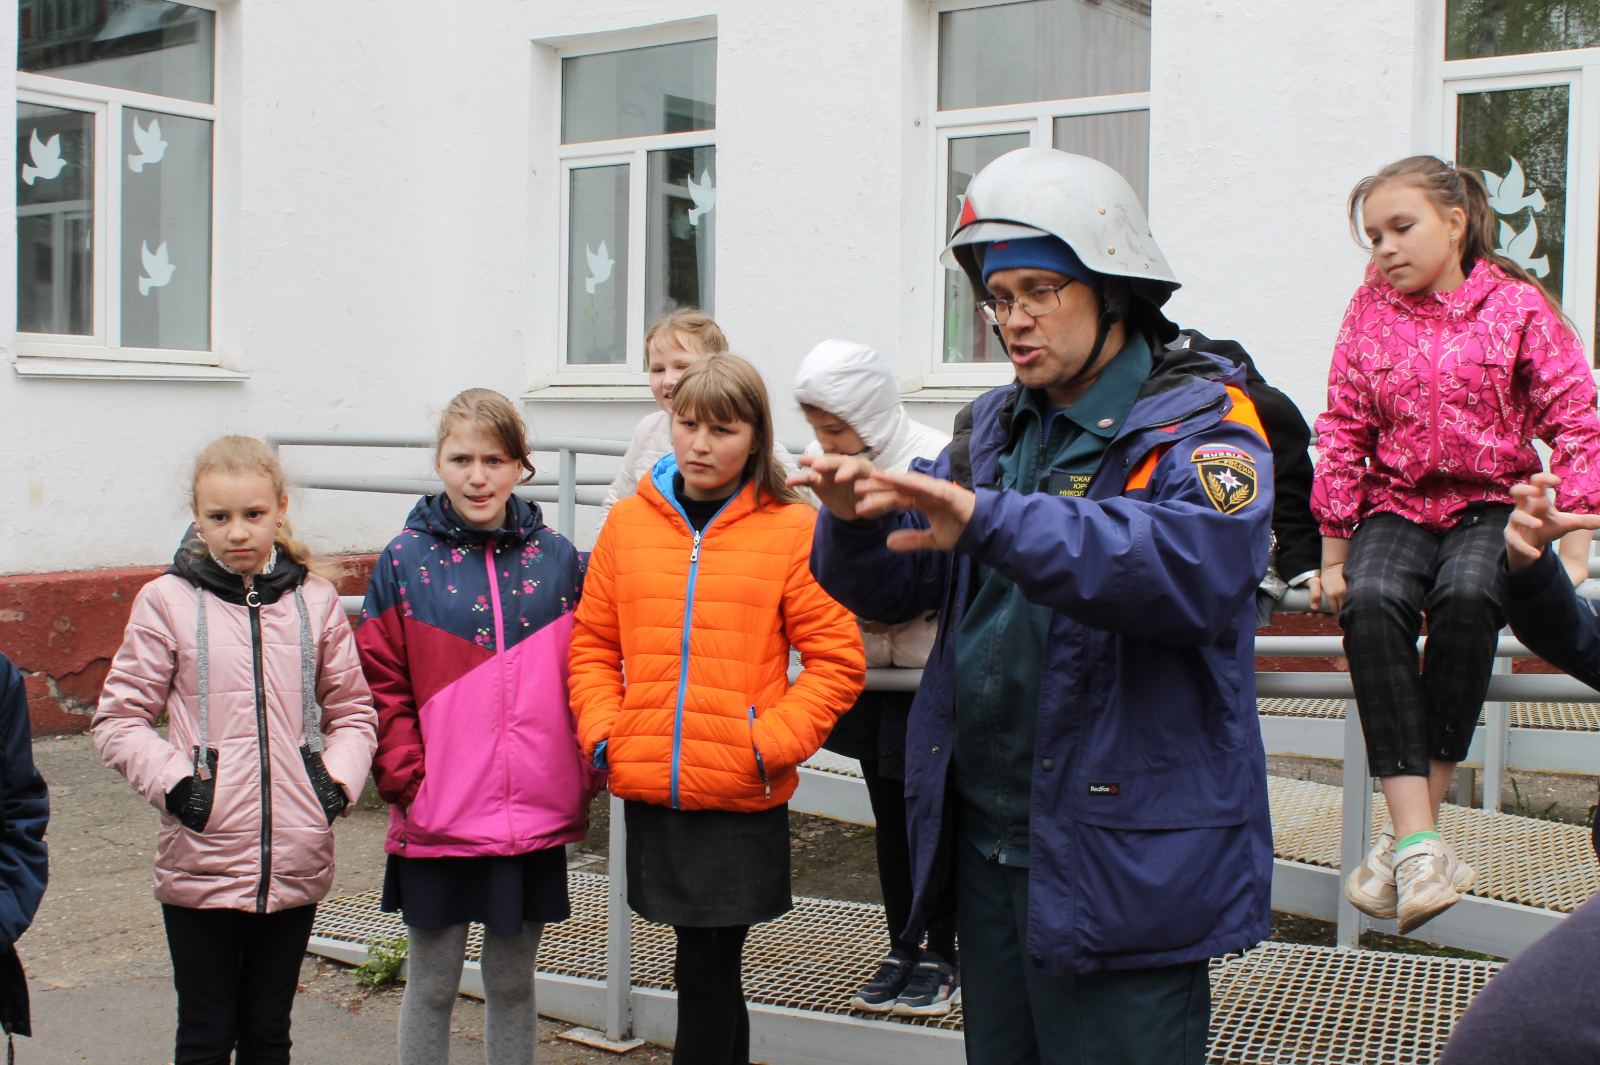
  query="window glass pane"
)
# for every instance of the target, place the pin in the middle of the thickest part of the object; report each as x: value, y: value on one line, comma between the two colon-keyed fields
x: 639, y: 92
x: 1518, y: 139
x: 681, y: 219
x: 967, y: 337
x: 166, y: 231
x: 1043, y: 50
x: 144, y: 45
x: 597, y: 266
x: 1120, y: 140
x: 1476, y: 28
x: 55, y: 220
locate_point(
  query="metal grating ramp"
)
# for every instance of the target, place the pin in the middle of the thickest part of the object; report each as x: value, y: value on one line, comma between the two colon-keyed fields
x: 1559, y: 717
x: 1286, y: 1003
x: 1277, y: 1004
x: 812, y: 958
x: 837, y: 764
x: 1542, y: 864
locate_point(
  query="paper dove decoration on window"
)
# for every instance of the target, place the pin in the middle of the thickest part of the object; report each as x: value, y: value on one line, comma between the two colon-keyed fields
x: 47, y: 161
x: 704, y: 196
x: 152, y: 149
x: 600, y: 264
x: 1506, y: 195
x: 156, y: 267
x: 1519, y: 248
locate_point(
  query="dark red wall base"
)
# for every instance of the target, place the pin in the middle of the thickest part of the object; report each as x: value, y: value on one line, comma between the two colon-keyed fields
x: 62, y: 629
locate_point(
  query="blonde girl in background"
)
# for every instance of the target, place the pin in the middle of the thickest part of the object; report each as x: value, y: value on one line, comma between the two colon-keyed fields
x: 270, y: 730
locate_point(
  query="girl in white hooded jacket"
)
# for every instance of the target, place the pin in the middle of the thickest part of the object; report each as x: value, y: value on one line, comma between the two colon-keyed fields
x: 849, y: 394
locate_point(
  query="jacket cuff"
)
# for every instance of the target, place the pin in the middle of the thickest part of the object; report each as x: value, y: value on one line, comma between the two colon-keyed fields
x: 1534, y: 581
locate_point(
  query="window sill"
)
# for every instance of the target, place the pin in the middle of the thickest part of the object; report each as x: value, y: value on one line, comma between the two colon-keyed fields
x: 118, y: 370
x: 602, y: 393
x: 946, y: 393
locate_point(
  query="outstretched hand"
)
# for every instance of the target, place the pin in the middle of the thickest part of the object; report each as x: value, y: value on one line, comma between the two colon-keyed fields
x: 947, y: 506
x: 833, y: 478
x: 1536, y: 521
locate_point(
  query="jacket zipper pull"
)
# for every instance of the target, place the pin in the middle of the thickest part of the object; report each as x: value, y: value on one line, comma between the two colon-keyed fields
x: 694, y: 552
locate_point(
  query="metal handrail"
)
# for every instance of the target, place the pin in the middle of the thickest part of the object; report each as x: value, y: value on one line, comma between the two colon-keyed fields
x: 1504, y: 687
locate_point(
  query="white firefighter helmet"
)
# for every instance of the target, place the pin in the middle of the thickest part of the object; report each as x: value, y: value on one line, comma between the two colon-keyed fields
x: 1036, y: 192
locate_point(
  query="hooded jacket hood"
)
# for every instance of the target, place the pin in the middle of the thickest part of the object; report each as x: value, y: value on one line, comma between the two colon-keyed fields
x: 856, y: 384
x: 435, y: 516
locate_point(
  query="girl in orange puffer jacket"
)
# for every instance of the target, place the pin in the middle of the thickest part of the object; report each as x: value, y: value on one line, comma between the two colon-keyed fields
x: 699, y: 585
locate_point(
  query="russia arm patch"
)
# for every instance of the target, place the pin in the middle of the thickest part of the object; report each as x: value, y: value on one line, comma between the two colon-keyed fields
x: 1228, y: 475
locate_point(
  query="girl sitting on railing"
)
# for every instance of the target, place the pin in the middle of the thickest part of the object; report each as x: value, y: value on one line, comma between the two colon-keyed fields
x: 1450, y: 359
x: 697, y: 588
x: 464, y: 637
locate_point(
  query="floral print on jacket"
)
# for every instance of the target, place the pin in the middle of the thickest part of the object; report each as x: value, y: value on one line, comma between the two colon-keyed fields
x: 1434, y: 400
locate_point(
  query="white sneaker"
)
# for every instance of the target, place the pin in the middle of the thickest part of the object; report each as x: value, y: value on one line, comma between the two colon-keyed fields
x: 1370, y: 888
x: 1423, y: 879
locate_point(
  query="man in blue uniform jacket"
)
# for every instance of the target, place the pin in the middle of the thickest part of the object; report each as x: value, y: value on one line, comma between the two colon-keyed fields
x: 1083, y: 754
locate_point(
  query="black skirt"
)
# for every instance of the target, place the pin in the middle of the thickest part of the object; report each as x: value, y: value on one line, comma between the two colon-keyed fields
x: 707, y: 868
x: 499, y: 893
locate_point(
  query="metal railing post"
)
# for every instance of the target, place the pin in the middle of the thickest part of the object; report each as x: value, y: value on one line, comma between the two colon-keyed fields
x: 619, y: 932
x: 567, y: 498
x: 1496, y: 740
x: 1355, y: 824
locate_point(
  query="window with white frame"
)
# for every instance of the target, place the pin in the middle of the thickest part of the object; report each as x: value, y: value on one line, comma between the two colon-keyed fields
x: 116, y: 120
x: 1069, y: 74
x: 1522, y: 106
x: 638, y: 199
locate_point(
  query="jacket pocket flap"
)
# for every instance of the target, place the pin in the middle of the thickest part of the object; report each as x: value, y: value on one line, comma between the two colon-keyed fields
x: 1221, y: 792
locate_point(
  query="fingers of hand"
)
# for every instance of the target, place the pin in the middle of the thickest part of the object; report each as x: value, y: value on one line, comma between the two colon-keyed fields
x: 912, y: 540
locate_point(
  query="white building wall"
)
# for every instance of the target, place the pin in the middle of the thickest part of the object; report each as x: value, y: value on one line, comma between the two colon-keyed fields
x: 389, y: 230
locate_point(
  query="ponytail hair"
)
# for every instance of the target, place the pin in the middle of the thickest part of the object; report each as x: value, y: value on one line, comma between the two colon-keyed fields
x: 1447, y: 186
x: 237, y: 456
x: 724, y: 387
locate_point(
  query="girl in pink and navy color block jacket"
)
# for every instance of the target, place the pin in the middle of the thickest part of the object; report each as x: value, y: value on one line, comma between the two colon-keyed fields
x: 464, y: 638
x: 1451, y: 359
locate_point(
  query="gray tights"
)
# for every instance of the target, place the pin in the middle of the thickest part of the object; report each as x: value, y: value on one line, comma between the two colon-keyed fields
x: 434, y: 977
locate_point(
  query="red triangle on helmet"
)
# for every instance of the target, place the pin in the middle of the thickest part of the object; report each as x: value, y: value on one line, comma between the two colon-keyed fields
x: 969, y: 212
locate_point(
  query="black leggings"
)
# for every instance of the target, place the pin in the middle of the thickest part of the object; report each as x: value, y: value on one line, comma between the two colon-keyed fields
x: 236, y: 974
x: 713, y: 1025
x: 888, y: 798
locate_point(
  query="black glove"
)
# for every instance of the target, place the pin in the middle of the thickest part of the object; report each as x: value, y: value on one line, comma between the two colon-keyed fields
x: 191, y: 798
x: 328, y: 791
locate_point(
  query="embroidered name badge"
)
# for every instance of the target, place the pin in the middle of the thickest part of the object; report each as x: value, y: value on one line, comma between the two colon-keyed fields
x: 1069, y: 484
x: 1104, y: 789
x: 1227, y: 474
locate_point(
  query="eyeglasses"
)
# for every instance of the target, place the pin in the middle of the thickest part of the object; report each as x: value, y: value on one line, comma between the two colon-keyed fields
x: 1036, y: 303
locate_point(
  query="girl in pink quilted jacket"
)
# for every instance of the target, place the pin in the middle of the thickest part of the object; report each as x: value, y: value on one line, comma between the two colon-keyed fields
x: 1451, y: 359
x: 270, y: 732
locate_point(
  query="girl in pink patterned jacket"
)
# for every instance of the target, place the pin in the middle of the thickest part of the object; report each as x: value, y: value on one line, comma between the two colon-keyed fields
x: 1450, y: 360
x: 270, y: 731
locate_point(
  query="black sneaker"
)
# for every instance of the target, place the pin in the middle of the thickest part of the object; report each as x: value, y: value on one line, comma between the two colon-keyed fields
x: 934, y: 988
x: 879, y: 994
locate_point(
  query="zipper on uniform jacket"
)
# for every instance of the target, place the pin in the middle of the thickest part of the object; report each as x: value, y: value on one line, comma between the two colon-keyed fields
x: 761, y: 763
x: 253, y: 603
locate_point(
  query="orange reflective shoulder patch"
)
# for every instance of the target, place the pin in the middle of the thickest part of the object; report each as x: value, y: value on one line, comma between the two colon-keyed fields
x: 1140, y: 477
x: 1244, y: 412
